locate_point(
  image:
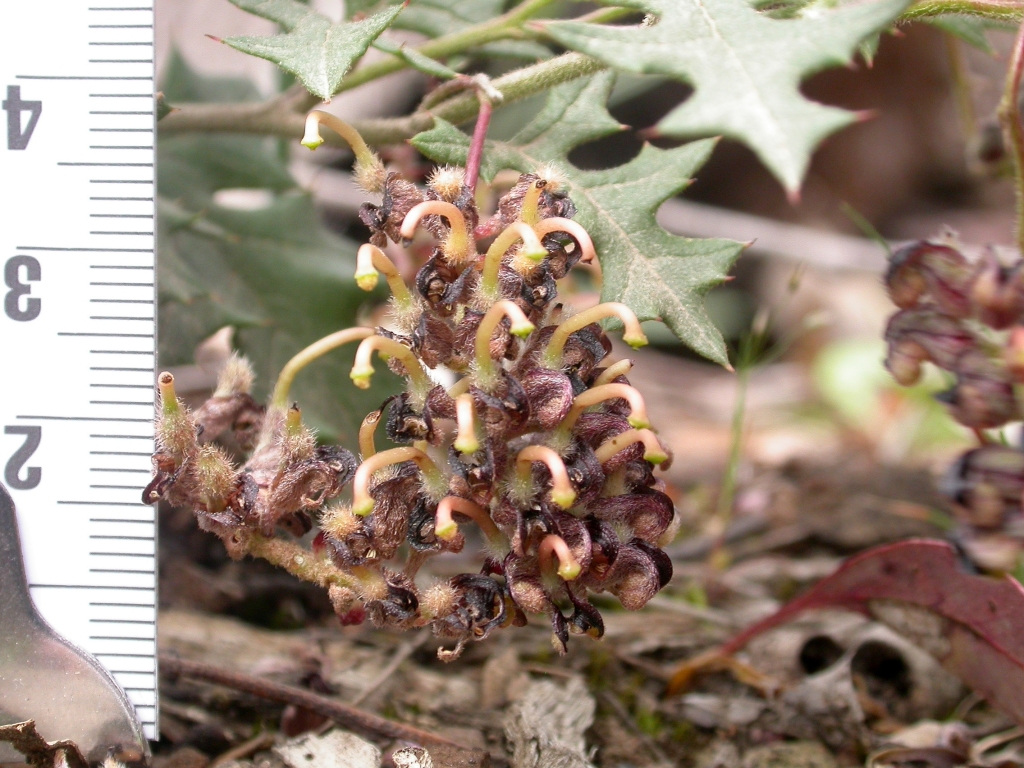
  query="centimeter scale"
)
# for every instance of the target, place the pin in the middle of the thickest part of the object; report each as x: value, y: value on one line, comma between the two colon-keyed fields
x: 78, y: 322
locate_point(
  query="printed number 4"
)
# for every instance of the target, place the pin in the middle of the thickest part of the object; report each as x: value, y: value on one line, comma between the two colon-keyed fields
x: 12, y: 472
x: 14, y: 106
x: 12, y: 277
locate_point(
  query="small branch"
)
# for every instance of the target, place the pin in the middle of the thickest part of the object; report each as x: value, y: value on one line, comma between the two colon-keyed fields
x: 1013, y: 127
x: 343, y: 714
x: 277, y: 117
x: 1002, y: 10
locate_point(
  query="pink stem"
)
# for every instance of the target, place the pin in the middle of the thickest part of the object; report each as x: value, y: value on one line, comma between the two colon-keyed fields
x: 476, y: 146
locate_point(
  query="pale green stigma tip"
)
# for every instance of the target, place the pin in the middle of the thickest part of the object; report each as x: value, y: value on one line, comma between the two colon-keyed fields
x: 638, y: 423
x: 447, y: 532
x: 656, y: 457
x: 564, y: 500
x: 367, y: 281
x: 467, y: 446
x: 635, y: 341
x: 312, y: 139
x: 363, y: 509
x: 569, y: 571
x: 522, y: 329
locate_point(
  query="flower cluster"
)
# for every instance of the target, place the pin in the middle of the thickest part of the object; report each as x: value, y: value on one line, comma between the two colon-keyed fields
x: 541, y: 444
x: 968, y: 319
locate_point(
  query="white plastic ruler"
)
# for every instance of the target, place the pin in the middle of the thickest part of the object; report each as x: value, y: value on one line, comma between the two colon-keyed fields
x: 77, y: 321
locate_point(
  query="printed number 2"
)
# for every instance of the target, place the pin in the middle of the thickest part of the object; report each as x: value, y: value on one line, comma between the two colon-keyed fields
x: 12, y: 472
x: 12, y: 304
x: 14, y: 106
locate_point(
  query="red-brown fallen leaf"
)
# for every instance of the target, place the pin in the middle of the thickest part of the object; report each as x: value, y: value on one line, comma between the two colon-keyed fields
x: 983, y: 631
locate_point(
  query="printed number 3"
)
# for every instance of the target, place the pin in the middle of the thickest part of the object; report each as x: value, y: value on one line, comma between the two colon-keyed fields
x: 12, y: 301
x: 12, y: 472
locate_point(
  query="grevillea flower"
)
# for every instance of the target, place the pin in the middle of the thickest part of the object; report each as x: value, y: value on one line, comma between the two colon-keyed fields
x: 542, y: 452
x: 968, y: 319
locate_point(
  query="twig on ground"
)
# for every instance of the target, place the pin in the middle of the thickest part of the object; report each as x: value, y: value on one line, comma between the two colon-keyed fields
x: 403, y: 652
x: 343, y: 714
x: 243, y: 750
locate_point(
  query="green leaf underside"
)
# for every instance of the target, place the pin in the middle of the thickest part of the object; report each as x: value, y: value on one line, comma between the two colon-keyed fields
x: 745, y: 68
x: 274, y: 273
x: 659, y: 275
x: 316, y: 50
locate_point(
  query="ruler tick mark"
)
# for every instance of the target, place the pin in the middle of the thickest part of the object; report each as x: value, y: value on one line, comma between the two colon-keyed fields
x: 110, y: 335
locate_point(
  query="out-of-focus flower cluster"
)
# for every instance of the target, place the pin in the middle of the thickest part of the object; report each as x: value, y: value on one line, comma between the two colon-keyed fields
x: 968, y: 319
x: 541, y: 444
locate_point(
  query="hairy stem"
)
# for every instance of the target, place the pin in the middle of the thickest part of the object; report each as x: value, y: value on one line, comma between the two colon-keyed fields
x: 1003, y: 10
x: 277, y: 117
x: 508, y: 25
x: 299, y: 562
x: 1013, y: 126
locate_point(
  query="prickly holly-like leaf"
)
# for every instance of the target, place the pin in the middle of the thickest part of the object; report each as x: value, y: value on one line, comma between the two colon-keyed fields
x: 318, y: 51
x: 266, y: 266
x: 744, y: 66
x: 657, y: 274
x: 976, y: 628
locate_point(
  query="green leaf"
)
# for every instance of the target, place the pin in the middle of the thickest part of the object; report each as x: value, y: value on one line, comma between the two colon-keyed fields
x: 744, y: 66
x: 657, y: 274
x: 275, y: 272
x: 316, y: 50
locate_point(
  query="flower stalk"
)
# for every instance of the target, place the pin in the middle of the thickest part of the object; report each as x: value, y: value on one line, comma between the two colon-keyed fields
x: 531, y: 250
x: 458, y: 245
x: 653, y: 452
x: 465, y: 418
x: 363, y: 369
x: 521, y: 327
x: 370, y: 260
x: 445, y: 526
x: 554, y: 224
x: 279, y: 400
x: 369, y: 169
x: 553, y: 549
x: 634, y: 335
x: 362, y: 501
x: 562, y: 492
